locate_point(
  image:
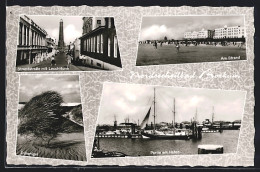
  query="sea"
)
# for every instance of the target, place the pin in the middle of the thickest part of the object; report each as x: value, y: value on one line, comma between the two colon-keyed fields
x: 148, y: 147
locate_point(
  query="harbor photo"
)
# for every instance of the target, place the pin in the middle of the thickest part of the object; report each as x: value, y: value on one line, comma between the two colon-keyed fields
x: 191, y: 39
x: 67, y: 43
x: 50, y: 121
x: 146, y: 120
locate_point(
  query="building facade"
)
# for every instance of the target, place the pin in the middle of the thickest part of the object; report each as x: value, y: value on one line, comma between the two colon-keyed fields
x: 202, y: 34
x: 91, y: 23
x: 187, y: 35
x: 229, y: 32
x: 31, y: 41
x: 219, y: 33
x: 98, y: 44
x: 75, y: 49
x: 50, y: 43
x: 194, y: 35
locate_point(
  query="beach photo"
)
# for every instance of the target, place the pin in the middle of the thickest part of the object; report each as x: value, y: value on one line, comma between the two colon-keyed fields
x: 146, y: 120
x: 67, y: 43
x: 50, y: 121
x: 191, y: 39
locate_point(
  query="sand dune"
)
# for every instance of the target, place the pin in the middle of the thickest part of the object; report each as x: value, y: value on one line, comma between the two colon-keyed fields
x: 66, y: 146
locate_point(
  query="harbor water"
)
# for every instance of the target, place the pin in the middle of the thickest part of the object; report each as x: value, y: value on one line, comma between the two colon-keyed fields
x: 149, y: 147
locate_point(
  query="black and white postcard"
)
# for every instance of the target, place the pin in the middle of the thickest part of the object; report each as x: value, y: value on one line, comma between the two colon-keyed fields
x: 130, y: 86
x: 50, y: 121
x: 191, y: 39
x: 67, y: 43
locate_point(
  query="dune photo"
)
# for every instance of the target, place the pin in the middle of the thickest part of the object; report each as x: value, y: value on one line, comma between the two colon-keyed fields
x: 50, y: 121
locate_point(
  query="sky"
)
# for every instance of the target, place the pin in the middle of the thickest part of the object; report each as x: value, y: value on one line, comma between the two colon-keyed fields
x: 72, y: 26
x: 133, y: 101
x: 66, y: 85
x: 173, y: 27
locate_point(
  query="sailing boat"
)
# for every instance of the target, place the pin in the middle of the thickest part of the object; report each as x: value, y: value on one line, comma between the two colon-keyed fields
x: 97, y: 152
x: 175, y: 134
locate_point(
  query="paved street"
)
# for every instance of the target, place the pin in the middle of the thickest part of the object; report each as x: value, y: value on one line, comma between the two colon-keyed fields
x: 61, y: 65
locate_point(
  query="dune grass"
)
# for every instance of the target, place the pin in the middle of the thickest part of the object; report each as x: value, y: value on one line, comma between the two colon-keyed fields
x: 69, y: 146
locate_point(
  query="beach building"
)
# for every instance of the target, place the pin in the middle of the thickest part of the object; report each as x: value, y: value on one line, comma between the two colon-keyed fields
x: 202, y: 34
x: 229, y: 32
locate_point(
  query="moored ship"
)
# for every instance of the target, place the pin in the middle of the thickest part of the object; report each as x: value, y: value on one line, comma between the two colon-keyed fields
x: 171, y: 134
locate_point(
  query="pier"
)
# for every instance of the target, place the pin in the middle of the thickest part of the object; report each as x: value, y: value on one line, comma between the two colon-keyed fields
x: 132, y: 136
x: 210, y: 149
x: 211, y: 131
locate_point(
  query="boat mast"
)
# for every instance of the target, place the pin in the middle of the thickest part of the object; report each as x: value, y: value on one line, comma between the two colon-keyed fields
x: 174, y: 115
x: 196, y: 115
x: 154, y: 111
x: 212, y: 115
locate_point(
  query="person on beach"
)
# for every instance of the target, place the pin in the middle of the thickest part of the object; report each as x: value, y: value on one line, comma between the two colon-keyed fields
x: 177, y: 48
x: 69, y: 58
x: 155, y: 45
x: 241, y: 45
x: 36, y: 59
x: 53, y: 62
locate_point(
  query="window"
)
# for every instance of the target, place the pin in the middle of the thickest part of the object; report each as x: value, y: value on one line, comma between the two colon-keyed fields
x: 98, y: 43
x: 94, y: 50
x: 98, y: 64
x: 24, y: 55
x: 101, y: 43
x: 108, y: 47
x: 98, y: 23
x: 27, y: 36
x: 85, y: 45
x: 32, y: 38
x: 109, y: 22
x: 35, y: 38
x: 91, y: 44
x: 20, y: 33
x: 115, y: 46
x: 24, y: 34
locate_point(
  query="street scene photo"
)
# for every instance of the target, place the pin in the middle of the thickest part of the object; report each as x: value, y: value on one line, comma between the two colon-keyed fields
x: 67, y: 43
x: 191, y: 39
x: 50, y: 121
x: 145, y: 120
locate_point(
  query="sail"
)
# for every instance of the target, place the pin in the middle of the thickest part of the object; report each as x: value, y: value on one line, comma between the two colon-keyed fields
x: 146, y: 118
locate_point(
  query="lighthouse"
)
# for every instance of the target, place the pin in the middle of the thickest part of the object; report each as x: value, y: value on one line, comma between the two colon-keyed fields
x: 61, y: 37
